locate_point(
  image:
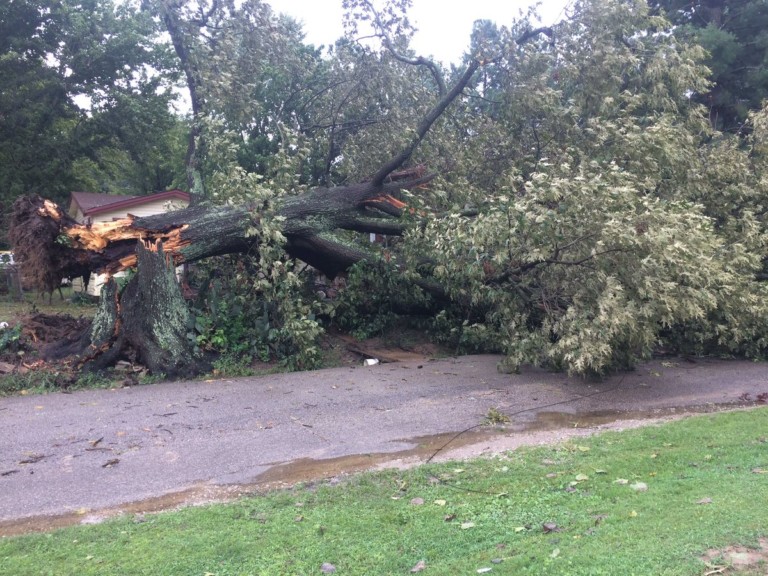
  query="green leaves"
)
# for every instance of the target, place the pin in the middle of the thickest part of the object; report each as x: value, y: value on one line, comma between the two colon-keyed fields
x: 84, y: 100
x: 609, y: 226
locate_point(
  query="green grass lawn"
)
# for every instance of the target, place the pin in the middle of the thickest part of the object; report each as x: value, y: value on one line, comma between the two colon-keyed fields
x: 11, y: 309
x: 571, y: 509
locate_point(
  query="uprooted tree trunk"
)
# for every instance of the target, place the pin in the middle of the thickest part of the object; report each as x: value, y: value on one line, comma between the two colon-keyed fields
x: 146, y: 322
x: 51, y: 245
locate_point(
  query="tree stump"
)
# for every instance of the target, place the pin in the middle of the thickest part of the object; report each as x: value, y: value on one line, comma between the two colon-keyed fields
x: 147, y: 322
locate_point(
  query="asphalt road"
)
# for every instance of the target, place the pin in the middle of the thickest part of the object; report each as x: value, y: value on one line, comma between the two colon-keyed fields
x: 73, y: 457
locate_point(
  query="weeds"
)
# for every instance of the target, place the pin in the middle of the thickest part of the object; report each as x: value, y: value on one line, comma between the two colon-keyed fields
x: 94, y: 380
x: 33, y: 382
x: 232, y: 366
x: 494, y: 416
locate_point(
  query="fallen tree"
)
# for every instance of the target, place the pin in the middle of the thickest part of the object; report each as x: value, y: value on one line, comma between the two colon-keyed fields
x: 51, y: 245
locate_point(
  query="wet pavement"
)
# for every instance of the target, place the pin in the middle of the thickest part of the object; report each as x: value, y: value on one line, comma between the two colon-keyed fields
x: 68, y: 458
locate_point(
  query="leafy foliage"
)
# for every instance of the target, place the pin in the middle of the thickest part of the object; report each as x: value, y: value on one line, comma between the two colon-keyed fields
x: 243, y: 319
x: 588, y: 210
x: 9, y: 338
x: 258, y: 306
x: 376, y: 298
x: 602, y: 234
x: 84, y: 100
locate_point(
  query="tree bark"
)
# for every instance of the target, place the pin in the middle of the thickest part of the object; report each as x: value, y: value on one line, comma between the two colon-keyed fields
x: 169, y: 13
x: 147, y: 322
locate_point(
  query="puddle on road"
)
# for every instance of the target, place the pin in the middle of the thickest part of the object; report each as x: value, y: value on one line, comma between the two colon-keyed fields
x: 307, y: 469
x: 570, y: 420
x: 87, y: 516
x: 283, y: 475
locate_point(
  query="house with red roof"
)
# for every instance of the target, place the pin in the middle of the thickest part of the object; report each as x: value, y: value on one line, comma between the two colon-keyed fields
x: 90, y: 207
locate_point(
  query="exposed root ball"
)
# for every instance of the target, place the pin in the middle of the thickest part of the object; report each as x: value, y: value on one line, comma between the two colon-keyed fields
x: 44, y: 257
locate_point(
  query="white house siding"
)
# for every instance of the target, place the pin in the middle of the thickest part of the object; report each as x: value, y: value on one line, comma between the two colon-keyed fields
x: 148, y: 209
x: 95, y: 283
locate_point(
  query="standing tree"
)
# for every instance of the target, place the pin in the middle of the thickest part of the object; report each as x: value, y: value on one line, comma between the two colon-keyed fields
x: 734, y: 34
x: 246, y: 71
x: 84, y: 100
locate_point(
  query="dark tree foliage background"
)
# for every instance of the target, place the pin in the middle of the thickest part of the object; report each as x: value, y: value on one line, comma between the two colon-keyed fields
x: 84, y: 101
x: 735, y: 35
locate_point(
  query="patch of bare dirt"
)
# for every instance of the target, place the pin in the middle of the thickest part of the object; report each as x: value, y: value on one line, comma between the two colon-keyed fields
x: 738, y: 559
x: 396, y: 346
x: 40, y: 328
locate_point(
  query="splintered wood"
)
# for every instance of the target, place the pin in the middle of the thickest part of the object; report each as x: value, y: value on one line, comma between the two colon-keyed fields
x: 97, y: 237
x: 171, y: 259
x: 51, y: 210
x: 387, y: 199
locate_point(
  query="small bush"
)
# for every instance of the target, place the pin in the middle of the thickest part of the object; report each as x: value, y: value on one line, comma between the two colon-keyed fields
x: 10, y: 338
x: 243, y: 312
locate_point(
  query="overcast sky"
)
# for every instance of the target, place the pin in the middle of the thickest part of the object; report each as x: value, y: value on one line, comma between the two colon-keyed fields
x: 444, y: 25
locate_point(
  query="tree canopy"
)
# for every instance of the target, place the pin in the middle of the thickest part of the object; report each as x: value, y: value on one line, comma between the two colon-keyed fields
x: 584, y: 207
x: 84, y: 100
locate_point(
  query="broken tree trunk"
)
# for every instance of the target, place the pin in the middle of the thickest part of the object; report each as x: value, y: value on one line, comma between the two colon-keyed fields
x: 49, y: 243
x: 146, y: 322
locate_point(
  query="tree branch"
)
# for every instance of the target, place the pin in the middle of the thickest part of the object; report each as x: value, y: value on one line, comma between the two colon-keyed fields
x: 415, y: 61
x: 374, y: 225
x: 547, y: 30
x: 419, y: 61
x: 425, y: 125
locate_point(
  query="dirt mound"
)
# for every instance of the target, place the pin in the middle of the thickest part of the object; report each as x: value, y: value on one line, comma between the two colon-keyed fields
x: 739, y: 559
x: 42, y: 328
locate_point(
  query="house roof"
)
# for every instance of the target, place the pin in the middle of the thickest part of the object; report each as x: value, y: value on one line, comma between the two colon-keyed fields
x: 91, y: 204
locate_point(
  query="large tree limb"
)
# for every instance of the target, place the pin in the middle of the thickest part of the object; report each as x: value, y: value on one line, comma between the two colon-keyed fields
x: 51, y: 245
x: 426, y: 124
